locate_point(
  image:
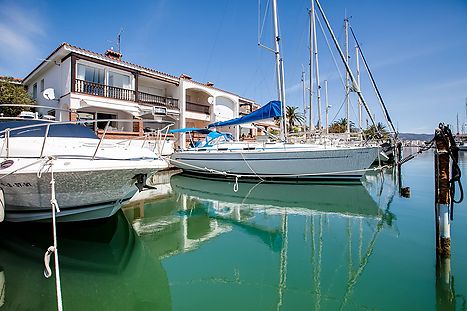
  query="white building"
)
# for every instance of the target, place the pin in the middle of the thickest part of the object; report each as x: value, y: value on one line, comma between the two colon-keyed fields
x: 103, y: 86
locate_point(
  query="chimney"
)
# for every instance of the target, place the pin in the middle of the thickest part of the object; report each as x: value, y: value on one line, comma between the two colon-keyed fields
x: 185, y: 76
x: 209, y: 83
x: 113, y: 54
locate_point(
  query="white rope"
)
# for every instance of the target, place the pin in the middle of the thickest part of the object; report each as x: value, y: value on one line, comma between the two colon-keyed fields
x: 54, y: 248
x: 235, y: 187
x: 250, y: 167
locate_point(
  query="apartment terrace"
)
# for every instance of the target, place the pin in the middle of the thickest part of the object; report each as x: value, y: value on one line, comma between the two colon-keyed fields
x: 97, y: 89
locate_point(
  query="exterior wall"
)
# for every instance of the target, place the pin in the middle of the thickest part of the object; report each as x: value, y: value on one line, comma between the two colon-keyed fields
x: 65, y: 77
x: 222, y: 105
x: 52, y: 78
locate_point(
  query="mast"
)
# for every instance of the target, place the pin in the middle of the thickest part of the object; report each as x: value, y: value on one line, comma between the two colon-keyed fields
x: 347, y: 82
x: 312, y: 126
x: 304, y: 96
x: 279, y: 71
x: 358, y: 82
x: 327, y: 105
x: 359, y: 93
x: 315, y: 48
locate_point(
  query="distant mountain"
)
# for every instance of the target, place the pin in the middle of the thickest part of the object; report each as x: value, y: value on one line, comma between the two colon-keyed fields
x: 413, y: 136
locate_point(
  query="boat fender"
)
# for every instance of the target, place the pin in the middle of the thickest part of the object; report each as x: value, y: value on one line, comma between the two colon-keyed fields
x: 2, y: 205
x: 2, y: 287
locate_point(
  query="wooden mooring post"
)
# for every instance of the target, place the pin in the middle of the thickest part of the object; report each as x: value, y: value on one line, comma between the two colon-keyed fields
x: 447, y: 174
x: 442, y: 195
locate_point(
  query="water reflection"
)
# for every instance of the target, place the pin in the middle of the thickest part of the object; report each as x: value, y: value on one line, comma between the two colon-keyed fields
x: 103, y: 265
x: 335, y: 226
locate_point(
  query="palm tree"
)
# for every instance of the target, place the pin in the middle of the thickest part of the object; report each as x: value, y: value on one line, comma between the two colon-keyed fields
x: 340, y: 126
x: 293, y: 117
x: 372, y: 130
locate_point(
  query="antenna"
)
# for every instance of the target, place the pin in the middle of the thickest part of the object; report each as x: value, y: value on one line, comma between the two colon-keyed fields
x: 118, y: 39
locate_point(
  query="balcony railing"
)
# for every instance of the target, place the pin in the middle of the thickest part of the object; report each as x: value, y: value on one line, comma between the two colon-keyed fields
x: 194, y: 107
x: 97, y: 89
x: 146, y: 98
x: 86, y: 87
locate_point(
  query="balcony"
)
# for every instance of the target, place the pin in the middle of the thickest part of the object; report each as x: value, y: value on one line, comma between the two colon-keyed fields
x: 170, y: 103
x: 86, y: 87
x: 194, y: 107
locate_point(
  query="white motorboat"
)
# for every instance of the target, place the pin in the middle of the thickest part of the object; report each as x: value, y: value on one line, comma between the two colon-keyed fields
x: 221, y: 156
x: 92, y: 177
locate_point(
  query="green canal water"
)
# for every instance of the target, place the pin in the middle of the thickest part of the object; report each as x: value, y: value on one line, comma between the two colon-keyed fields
x: 198, y: 245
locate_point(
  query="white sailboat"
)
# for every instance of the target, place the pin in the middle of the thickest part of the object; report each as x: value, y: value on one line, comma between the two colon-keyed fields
x: 280, y: 160
x: 277, y: 160
x: 91, y: 178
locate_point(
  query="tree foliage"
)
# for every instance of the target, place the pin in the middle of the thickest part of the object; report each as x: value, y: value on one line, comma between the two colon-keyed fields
x: 371, y: 131
x: 11, y: 93
x: 294, y: 117
x: 340, y: 126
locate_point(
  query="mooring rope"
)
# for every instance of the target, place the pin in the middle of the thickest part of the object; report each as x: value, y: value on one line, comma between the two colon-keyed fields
x: 53, y: 249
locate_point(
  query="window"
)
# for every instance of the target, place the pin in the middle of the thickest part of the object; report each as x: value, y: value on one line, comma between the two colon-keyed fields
x: 85, y: 116
x: 42, y: 85
x: 119, y: 80
x: 106, y: 116
x: 90, y: 74
x: 34, y: 91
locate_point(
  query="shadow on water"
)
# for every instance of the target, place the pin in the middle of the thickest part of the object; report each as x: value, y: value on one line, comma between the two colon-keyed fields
x: 103, y: 265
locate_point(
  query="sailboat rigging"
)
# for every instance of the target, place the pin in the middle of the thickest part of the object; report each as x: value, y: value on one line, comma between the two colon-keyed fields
x: 273, y: 160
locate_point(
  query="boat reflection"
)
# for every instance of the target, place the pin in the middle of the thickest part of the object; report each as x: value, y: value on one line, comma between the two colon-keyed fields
x: 341, y: 221
x: 103, y: 265
x: 302, y: 199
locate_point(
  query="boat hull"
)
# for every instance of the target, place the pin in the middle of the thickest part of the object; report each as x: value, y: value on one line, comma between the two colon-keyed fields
x: 288, y: 163
x: 83, y: 192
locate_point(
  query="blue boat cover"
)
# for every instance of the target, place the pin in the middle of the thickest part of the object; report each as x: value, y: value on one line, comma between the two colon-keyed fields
x: 55, y: 130
x: 191, y: 129
x: 270, y: 110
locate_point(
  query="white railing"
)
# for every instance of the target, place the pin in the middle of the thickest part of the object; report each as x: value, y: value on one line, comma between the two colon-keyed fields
x: 161, y: 134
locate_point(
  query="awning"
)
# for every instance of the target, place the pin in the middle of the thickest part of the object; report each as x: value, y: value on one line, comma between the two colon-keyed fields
x: 135, y: 111
x: 270, y: 110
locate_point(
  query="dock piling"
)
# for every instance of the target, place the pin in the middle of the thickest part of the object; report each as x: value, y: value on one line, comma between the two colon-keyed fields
x: 442, y: 195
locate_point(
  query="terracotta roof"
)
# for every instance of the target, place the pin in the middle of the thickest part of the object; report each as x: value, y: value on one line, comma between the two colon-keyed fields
x: 11, y: 79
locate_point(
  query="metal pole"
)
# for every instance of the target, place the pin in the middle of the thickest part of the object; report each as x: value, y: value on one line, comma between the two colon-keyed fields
x: 279, y: 71
x: 347, y: 84
x: 315, y: 48
x: 327, y: 105
x: 304, y: 96
x: 358, y: 81
x: 312, y: 126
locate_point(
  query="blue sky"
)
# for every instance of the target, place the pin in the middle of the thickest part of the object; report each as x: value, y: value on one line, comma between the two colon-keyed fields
x: 416, y: 49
